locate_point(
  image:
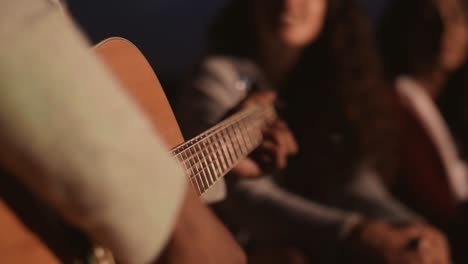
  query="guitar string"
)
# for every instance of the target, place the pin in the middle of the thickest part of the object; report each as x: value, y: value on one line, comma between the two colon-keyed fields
x: 214, y: 154
x: 204, y: 173
x: 191, y: 155
x: 203, y: 184
x: 194, y: 156
x: 205, y: 176
x: 255, y: 110
x: 198, y: 176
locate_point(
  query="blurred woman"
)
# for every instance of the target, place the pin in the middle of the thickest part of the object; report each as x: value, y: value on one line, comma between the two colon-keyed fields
x: 318, y: 56
x: 424, y: 44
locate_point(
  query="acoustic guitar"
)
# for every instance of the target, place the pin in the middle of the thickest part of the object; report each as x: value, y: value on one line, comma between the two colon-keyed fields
x: 205, y: 158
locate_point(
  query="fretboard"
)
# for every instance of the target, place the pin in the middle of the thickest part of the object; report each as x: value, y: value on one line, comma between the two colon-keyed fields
x: 212, y: 154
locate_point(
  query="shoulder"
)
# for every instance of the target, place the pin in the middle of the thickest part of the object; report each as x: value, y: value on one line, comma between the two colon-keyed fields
x: 223, y: 79
x: 227, y: 66
x: 234, y: 75
x: 229, y: 71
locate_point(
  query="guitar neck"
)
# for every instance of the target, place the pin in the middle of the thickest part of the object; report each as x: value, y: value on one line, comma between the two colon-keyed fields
x: 212, y: 154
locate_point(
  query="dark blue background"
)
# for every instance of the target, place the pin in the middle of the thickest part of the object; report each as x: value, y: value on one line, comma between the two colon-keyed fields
x: 169, y: 32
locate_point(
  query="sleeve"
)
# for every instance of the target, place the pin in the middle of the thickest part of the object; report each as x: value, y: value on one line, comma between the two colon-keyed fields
x: 270, y: 213
x: 205, y: 101
x: 366, y: 193
x: 209, y: 96
x: 74, y: 138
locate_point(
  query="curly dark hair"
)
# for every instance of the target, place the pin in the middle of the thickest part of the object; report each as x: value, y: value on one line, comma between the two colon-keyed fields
x: 408, y: 47
x: 338, y: 105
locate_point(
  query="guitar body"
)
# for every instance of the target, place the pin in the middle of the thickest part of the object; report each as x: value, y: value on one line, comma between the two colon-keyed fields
x: 18, y: 244
x: 131, y: 68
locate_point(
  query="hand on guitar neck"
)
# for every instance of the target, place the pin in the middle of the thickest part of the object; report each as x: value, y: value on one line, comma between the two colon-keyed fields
x: 278, y: 142
x: 198, y: 236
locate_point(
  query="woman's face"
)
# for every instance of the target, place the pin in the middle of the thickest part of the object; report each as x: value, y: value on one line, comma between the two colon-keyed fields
x: 455, y: 37
x: 294, y: 23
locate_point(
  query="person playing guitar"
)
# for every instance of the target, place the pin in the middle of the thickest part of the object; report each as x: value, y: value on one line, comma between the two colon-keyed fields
x: 73, y: 138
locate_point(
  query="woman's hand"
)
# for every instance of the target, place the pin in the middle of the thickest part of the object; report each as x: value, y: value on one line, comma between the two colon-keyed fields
x: 418, y: 243
x: 278, y: 143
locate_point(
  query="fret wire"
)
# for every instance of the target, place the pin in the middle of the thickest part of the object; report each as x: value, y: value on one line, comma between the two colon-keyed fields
x: 192, y: 160
x: 209, y: 162
x: 236, y: 142
x: 245, y: 131
x: 223, y: 124
x: 216, y: 169
x: 197, y: 176
x: 215, y: 146
x: 223, y: 143
x: 214, y: 136
x: 251, y: 135
x: 236, y: 137
x: 240, y: 138
x: 203, y: 166
x: 225, y: 149
x: 194, y: 156
x: 222, y: 132
x: 183, y: 165
x: 200, y: 175
x: 229, y: 145
x: 194, y: 183
x: 198, y: 186
x: 213, y: 158
x: 221, y: 135
x: 180, y: 161
x: 197, y: 171
x: 199, y: 163
x: 224, y: 173
x: 240, y: 142
x: 234, y: 119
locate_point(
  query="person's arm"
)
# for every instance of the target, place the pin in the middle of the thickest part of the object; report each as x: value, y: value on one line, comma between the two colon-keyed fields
x: 268, y: 209
x: 74, y: 138
x: 367, y: 193
x: 204, y: 102
x: 275, y: 214
x: 272, y: 213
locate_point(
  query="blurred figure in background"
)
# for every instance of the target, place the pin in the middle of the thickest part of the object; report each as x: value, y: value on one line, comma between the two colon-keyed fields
x: 424, y: 45
x: 319, y: 58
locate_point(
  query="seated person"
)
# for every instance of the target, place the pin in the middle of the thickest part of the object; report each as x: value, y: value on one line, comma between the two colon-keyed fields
x: 428, y: 64
x: 318, y: 57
